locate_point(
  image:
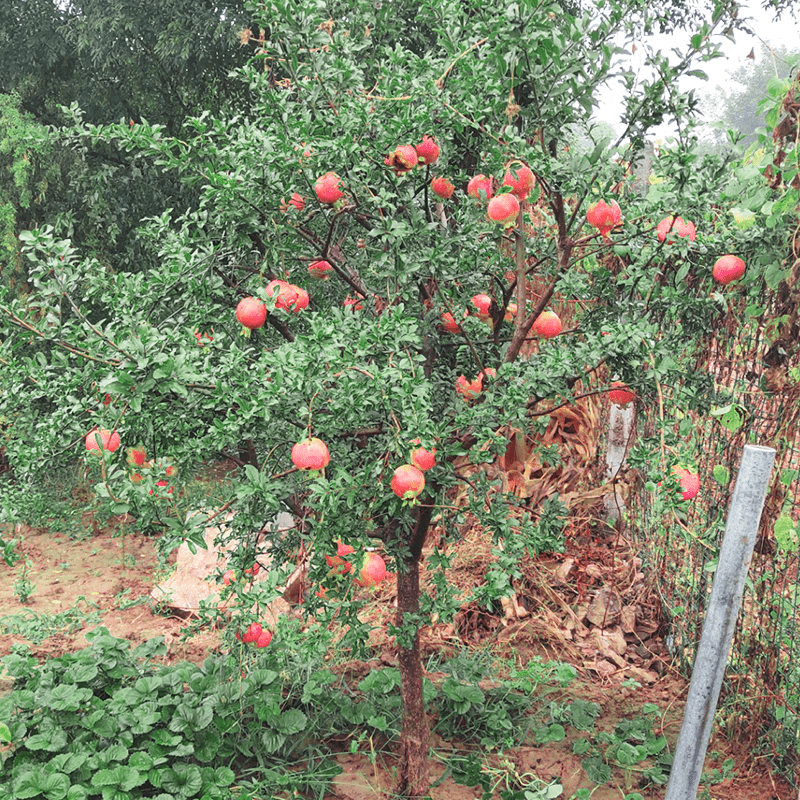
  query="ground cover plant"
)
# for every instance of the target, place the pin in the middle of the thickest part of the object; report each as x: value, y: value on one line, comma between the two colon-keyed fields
x: 451, y: 323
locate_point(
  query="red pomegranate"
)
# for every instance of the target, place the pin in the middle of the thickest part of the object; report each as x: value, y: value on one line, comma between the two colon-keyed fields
x: 337, y: 562
x: 482, y: 303
x: 520, y: 178
x: 676, y: 225
x: 251, y: 312
x: 547, y: 325
x: 327, y: 188
x: 728, y: 268
x: 603, y: 216
x: 136, y: 456
x: 503, y: 209
x: 302, y: 300
x: 690, y: 482
x: 283, y: 293
x: 320, y: 270
x: 428, y: 150
x: 442, y: 187
x: 450, y: 325
x: 252, y: 633
x: 480, y: 187
x: 373, y: 570
x: 403, y: 159
x: 296, y: 200
x: 407, y: 482
x: 423, y: 459
x: 311, y: 453
x: 109, y: 440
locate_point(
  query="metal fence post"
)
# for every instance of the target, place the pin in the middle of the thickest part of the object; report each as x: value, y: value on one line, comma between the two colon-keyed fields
x: 726, y: 597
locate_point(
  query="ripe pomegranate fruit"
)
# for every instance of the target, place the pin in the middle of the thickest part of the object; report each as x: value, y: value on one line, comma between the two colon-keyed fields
x: 136, y: 456
x: 620, y: 394
x: 295, y: 200
x: 282, y: 292
x: 327, y: 188
x: 470, y: 390
x: 320, y: 270
x: 264, y: 639
x: 254, y: 570
x: 690, y: 482
x: 373, y: 570
x: 427, y: 150
x: 311, y: 453
x: 520, y: 178
x: 511, y: 312
x: 302, y: 300
x: 252, y: 633
x: 480, y: 187
x: 604, y: 217
x: 450, y: 325
x: 442, y: 187
x: 675, y: 225
x: 337, y: 563
x: 109, y: 440
x: 423, y: 459
x: 547, y: 325
x: 483, y: 303
x: 251, y: 312
x: 503, y: 209
x: 228, y: 577
x: 728, y: 268
x: 407, y: 482
x: 402, y: 159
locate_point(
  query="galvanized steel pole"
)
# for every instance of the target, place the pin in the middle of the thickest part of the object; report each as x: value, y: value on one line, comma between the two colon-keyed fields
x: 726, y: 597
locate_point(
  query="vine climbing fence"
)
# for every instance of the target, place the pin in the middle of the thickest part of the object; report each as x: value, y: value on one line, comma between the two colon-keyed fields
x: 754, y: 362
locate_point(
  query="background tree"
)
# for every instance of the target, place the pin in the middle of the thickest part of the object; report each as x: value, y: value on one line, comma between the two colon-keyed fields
x: 737, y: 105
x: 129, y: 60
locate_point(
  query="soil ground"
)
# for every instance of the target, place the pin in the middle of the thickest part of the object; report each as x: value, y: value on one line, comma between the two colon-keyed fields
x: 105, y: 579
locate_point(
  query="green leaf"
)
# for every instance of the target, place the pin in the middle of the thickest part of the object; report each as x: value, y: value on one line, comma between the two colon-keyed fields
x: 786, y: 534
x: 5, y: 733
x: 291, y: 722
x: 224, y: 776
x: 731, y: 416
x: 184, y: 780
x: 53, y: 785
x: 722, y: 474
x: 596, y: 769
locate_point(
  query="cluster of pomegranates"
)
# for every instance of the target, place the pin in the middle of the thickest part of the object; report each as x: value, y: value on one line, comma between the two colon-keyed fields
x: 605, y: 217
x: 371, y: 572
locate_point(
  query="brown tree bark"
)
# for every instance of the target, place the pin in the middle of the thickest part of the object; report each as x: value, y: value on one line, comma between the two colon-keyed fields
x: 412, y: 775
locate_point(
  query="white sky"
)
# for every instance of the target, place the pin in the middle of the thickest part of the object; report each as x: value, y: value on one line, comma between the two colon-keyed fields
x: 784, y: 33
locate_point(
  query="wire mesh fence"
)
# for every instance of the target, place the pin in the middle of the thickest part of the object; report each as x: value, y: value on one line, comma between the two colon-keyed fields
x: 756, y: 400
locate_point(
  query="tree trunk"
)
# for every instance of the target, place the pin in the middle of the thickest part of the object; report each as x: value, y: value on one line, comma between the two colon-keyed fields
x: 412, y: 775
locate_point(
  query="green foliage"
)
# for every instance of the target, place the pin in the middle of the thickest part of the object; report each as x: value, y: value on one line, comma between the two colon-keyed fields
x: 102, y: 343
x: 38, y: 627
x: 107, y: 720
x: 26, y: 169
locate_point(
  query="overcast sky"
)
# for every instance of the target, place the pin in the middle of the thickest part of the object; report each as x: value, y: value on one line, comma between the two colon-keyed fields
x: 783, y: 34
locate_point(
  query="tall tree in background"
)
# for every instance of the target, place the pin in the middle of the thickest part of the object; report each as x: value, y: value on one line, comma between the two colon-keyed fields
x: 160, y: 62
x: 737, y: 106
